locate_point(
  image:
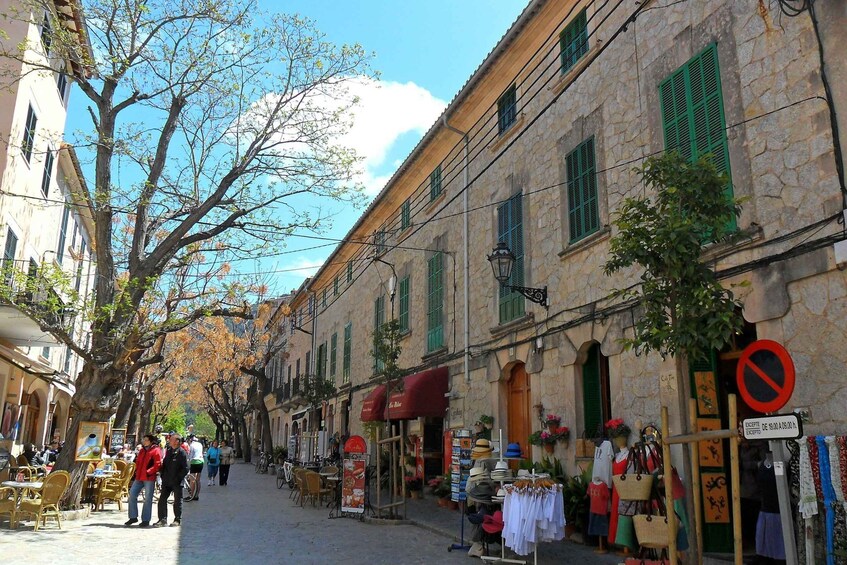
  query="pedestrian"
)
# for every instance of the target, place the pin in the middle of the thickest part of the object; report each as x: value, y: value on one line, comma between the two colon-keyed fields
x: 195, y: 462
x: 174, y: 470
x: 147, y: 465
x: 213, y: 459
x: 227, y: 459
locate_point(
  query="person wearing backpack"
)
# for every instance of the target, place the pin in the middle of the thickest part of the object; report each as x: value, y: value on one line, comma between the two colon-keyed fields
x: 213, y: 460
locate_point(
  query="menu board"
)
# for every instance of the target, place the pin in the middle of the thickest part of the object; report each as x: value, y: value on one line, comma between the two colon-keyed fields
x: 460, y: 464
x: 353, y: 477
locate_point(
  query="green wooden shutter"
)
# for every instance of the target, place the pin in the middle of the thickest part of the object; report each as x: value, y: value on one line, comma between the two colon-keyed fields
x: 333, y: 356
x: 693, y: 114
x: 404, y: 305
x: 348, y: 349
x: 573, y: 41
x: 435, y: 302
x: 349, y: 271
x: 406, y: 215
x: 510, y: 231
x: 592, y: 399
x: 379, y: 320
x: 320, y: 370
x: 507, y: 109
x: 335, y: 286
x: 435, y: 183
x: 583, y: 209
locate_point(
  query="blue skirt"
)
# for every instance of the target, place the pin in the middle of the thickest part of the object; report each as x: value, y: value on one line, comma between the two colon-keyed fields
x: 769, y: 541
x: 598, y: 524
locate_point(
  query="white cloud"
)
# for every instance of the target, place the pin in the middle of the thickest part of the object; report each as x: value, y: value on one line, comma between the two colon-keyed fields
x: 305, y: 266
x: 386, y: 110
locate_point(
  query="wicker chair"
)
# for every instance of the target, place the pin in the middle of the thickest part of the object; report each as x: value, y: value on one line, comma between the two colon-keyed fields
x: 47, y: 504
x: 130, y: 472
x: 120, y: 464
x: 113, y: 488
x: 314, y: 490
x: 298, y: 484
x: 7, y: 503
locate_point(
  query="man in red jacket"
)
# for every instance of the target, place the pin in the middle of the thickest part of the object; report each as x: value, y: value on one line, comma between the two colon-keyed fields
x: 147, y: 464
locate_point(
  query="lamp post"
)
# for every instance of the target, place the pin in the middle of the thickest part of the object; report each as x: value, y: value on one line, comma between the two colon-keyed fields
x: 502, y: 261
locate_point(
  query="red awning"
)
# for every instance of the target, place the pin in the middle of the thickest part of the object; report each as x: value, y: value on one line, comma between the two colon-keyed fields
x: 422, y: 395
x: 374, y: 405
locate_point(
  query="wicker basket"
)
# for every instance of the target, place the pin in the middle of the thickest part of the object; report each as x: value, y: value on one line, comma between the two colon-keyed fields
x: 652, y: 531
x: 633, y: 486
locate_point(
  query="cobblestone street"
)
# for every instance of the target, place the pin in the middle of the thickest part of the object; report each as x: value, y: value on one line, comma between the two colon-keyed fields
x: 248, y: 521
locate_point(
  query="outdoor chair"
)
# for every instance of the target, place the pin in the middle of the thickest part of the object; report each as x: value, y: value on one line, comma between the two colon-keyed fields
x: 298, y: 486
x: 120, y: 464
x: 314, y: 490
x: 47, y: 504
x: 23, y: 466
x: 112, y: 488
x: 130, y: 473
x: 7, y: 503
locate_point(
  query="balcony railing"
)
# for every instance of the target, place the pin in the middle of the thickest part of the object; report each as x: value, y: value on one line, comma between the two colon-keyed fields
x: 26, y: 287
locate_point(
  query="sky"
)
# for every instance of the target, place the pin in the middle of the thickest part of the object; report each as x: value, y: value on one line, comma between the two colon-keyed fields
x: 424, y: 52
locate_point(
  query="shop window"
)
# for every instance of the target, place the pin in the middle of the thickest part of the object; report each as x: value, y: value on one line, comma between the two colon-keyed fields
x: 596, y: 400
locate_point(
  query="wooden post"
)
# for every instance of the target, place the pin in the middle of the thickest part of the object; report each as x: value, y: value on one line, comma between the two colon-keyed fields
x: 736, y: 479
x: 378, y: 474
x: 668, y: 478
x: 403, y: 459
x: 695, y: 481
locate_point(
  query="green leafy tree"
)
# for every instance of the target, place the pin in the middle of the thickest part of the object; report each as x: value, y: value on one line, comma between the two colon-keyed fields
x: 175, y: 420
x: 211, y: 124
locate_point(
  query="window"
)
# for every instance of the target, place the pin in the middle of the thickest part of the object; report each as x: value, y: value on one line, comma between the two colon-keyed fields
x: 507, y: 109
x: 596, y: 400
x: 335, y: 286
x: 45, y: 352
x: 9, y: 255
x: 297, y: 378
x: 63, y: 234
x: 435, y: 303
x: 68, y: 358
x: 333, y: 356
x: 62, y: 86
x: 379, y: 242
x: 510, y: 231
x: 379, y: 320
x: 403, y: 291
x: 349, y: 271
x: 323, y: 298
x: 435, y: 183
x: 29, y: 133
x: 692, y: 112
x: 320, y: 369
x: 46, y: 34
x: 78, y: 279
x: 573, y: 41
x: 348, y: 350
x: 583, y: 214
x: 292, y: 322
x: 48, y: 172
x: 309, y: 368
x: 406, y: 215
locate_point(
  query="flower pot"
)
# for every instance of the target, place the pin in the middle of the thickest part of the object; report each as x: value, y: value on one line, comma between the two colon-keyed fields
x: 620, y: 441
x: 452, y: 504
x: 565, y: 443
x: 549, y: 448
x: 415, y: 494
x: 442, y: 502
x: 552, y: 425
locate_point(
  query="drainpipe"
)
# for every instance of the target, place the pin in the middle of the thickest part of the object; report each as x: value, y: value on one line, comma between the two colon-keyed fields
x: 467, y: 328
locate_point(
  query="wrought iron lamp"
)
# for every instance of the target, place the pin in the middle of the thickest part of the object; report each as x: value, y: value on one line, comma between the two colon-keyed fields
x: 502, y: 260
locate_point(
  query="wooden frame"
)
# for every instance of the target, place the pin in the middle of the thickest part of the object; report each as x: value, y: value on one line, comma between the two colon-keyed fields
x: 90, y: 441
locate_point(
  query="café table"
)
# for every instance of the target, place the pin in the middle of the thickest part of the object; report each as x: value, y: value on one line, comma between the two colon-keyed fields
x: 333, y: 481
x: 20, y: 488
x: 92, y: 485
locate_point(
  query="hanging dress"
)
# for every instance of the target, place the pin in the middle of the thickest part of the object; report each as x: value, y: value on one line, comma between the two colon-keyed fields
x: 621, y: 528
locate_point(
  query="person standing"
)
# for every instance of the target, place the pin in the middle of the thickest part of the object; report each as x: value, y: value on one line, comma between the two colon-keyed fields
x: 174, y: 470
x: 147, y: 465
x: 213, y: 459
x: 195, y: 462
x: 227, y: 459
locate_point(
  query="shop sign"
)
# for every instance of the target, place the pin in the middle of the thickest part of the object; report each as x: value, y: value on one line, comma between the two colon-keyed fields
x: 353, y: 478
x: 781, y: 426
x: 765, y: 376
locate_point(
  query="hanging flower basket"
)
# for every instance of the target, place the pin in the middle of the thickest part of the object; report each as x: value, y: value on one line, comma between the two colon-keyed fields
x: 549, y: 447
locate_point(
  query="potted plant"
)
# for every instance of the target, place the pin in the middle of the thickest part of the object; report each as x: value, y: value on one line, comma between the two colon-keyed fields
x: 617, y: 431
x: 577, y: 504
x: 487, y: 421
x: 552, y: 421
x: 545, y: 439
x: 440, y: 488
x: 414, y: 486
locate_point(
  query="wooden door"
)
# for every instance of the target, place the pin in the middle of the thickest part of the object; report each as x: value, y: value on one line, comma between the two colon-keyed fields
x: 520, y: 406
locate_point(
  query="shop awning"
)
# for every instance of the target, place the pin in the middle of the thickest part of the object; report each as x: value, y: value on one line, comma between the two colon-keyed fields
x: 422, y: 396
x: 374, y: 405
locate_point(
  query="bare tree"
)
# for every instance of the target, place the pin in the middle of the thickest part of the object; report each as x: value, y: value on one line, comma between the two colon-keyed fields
x: 211, y: 125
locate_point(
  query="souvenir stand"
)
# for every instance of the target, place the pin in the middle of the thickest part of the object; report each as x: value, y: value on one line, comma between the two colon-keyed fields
x: 460, y: 466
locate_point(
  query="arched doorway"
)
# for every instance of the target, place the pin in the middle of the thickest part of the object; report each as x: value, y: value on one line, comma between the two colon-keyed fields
x: 33, y: 413
x: 520, y: 406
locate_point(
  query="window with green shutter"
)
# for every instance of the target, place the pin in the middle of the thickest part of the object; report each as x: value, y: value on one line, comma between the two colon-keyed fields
x: 350, y: 271
x: 573, y: 41
x: 320, y: 369
x: 507, y: 109
x: 596, y: 399
x: 335, y: 286
x: 333, y: 356
x: 693, y: 114
x: 379, y: 319
x: 406, y: 215
x: 583, y: 212
x: 348, y: 350
x: 435, y: 303
x: 510, y: 231
x: 403, y: 291
x: 379, y: 242
x: 435, y: 183
x: 323, y: 298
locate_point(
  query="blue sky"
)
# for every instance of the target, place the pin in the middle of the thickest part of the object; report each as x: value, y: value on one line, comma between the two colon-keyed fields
x: 424, y: 53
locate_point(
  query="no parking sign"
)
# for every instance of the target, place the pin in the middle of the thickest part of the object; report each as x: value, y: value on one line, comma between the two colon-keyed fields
x: 765, y: 376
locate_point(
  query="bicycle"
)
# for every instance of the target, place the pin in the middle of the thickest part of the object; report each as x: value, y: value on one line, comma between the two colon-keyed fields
x: 190, y: 486
x: 263, y: 462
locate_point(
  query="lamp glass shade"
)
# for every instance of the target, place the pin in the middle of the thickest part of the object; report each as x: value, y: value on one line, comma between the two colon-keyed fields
x: 502, y: 260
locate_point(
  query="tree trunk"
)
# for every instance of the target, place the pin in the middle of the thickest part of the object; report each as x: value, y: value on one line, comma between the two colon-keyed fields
x: 125, y: 405
x: 146, y: 411
x: 132, y: 420
x: 683, y: 394
x: 97, y: 396
x: 245, y: 441
x: 236, y: 439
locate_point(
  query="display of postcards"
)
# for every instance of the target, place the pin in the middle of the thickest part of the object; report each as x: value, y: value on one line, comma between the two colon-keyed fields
x: 463, y: 496
x: 462, y: 433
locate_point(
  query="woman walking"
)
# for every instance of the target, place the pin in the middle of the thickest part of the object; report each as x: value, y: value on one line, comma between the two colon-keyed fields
x: 227, y: 459
x: 213, y: 458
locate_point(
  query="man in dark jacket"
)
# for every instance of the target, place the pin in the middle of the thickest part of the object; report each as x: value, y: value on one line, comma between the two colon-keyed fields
x: 174, y: 470
x: 147, y: 465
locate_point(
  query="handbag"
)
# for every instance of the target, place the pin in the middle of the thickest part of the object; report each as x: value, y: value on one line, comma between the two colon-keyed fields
x: 652, y: 528
x: 584, y: 447
x: 635, y: 483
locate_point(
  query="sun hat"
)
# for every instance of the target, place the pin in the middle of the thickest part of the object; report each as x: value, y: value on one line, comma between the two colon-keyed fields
x: 483, y: 443
x: 513, y: 450
x: 481, y: 491
x: 493, y: 524
x: 501, y: 466
x: 522, y: 473
x: 476, y: 472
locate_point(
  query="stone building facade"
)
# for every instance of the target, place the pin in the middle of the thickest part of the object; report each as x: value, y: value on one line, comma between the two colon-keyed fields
x: 538, y: 150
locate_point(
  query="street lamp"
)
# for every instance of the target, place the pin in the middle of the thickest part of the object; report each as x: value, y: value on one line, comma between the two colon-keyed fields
x: 502, y: 260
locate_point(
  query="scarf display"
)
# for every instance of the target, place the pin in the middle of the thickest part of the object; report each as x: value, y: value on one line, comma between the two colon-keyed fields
x: 808, y: 499
x: 814, y: 461
x: 828, y: 498
x: 842, y: 457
